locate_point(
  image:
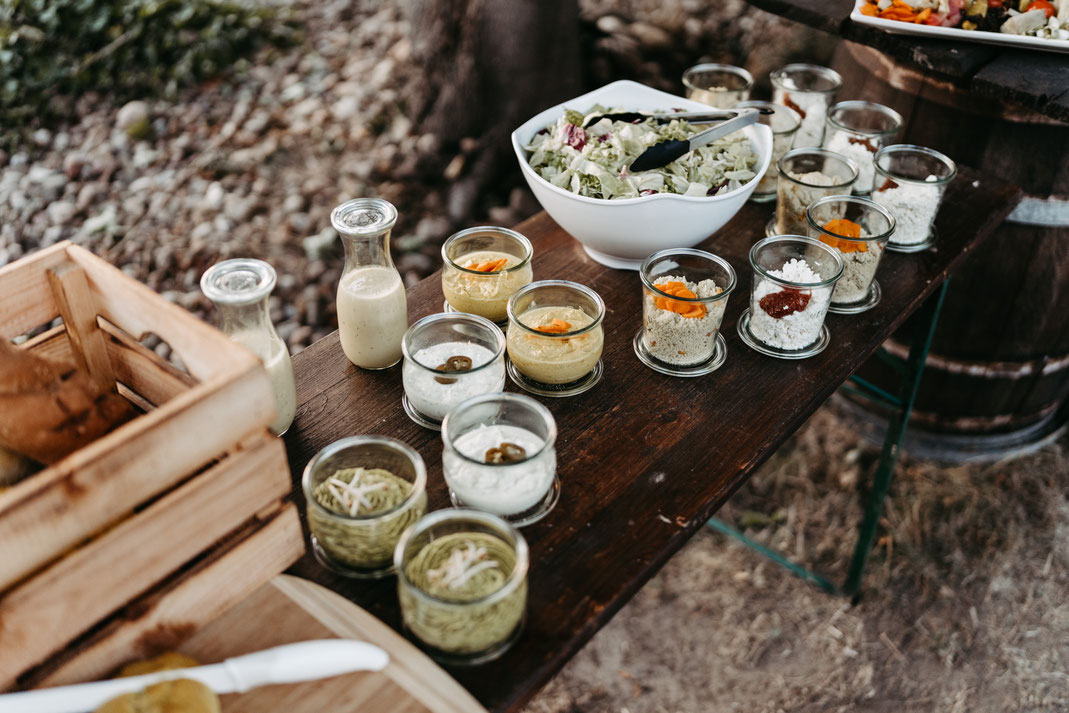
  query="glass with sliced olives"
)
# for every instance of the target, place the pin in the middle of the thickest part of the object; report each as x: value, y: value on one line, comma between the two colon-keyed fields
x: 448, y: 358
x: 499, y: 456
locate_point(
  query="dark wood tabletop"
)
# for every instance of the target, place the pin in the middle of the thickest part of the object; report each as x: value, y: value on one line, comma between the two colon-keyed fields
x: 644, y: 459
x: 1032, y: 79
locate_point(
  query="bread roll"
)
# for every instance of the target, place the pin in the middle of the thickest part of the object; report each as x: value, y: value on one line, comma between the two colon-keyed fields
x: 178, y: 696
x: 49, y: 409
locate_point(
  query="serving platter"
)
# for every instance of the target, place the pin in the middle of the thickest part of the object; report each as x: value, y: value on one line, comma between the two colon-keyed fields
x: 295, y: 610
x: 956, y: 33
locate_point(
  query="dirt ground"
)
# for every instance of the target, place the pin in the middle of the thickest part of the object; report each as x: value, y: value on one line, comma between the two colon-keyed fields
x: 965, y: 606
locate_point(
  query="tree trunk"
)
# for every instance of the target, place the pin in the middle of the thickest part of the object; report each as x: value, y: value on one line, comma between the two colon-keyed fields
x: 482, y: 67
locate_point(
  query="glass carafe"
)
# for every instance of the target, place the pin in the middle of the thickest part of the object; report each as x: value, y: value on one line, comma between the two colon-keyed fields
x: 240, y: 289
x: 372, y: 308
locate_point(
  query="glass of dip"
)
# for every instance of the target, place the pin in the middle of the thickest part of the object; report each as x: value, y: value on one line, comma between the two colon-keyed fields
x: 684, y: 295
x: 462, y: 584
x: 482, y: 268
x: 449, y: 358
x: 784, y: 123
x: 793, y: 280
x: 910, y: 182
x: 857, y: 130
x: 361, y: 544
x: 809, y: 90
x: 555, y: 338
x: 806, y: 176
x: 858, y: 229
x: 719, y: 85
x: 499, y: 456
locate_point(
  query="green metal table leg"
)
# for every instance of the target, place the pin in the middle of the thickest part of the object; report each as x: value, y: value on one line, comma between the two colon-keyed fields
x: 896, y: 431
x: 796, y: 569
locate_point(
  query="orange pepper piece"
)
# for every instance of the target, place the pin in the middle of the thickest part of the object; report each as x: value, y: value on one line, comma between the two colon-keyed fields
x: 489, y: 265
x: 846, y: 229
x: 557, y: 326
x: 870, y: 10
x: 687, y: 310
x: 923, y: 15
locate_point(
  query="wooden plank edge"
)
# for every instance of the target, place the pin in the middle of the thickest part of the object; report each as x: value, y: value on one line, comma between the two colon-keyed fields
x: 162, y: 619
x: 137, y: 309
x: 169, y: 443
x: 27, y: 297
x: 409, y: 667
x: 47, y: 611
x: 70, y: 288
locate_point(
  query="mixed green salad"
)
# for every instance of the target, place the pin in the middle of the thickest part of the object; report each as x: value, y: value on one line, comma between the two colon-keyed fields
x: 594, y: 161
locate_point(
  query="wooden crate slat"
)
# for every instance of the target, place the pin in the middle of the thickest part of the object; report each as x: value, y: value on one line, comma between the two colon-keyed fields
x: 71, y: 291
x: 47, y: 514
x: 135, y: 365
x: 143, y: 370
x: 46, y: 612
x: 122, y: 300
x: 160, y: 620
x: 27, y: 297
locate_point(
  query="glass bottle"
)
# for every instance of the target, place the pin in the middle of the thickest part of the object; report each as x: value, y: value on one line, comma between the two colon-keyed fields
x: 372, y: 308
x: 240, y: 289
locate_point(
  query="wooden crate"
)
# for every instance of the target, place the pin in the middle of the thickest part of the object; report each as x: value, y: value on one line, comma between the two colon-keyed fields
x: 139, y: 506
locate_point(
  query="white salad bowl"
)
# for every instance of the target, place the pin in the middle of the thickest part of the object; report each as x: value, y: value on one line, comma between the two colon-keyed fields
x: 622, y: 233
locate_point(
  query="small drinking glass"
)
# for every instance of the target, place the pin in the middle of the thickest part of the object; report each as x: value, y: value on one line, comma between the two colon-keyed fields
x: 555, y: 338
x: 684, y: 295
x: 482, y: 267
x: 449, y: 358
x: 910, y: 182
x: 858, y: 229
x: 809, y: 89
x: 793, y: 281
x: 784, y: 123
x: 362, y: 546
x: 857, y: 130
x: 481, y: 618
x: 719, y: 85
x: 500, y: 456
x: 806, y: 176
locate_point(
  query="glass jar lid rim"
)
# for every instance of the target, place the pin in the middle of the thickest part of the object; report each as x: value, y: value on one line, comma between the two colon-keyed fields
x: 472, y: 319
x: 488, y: 520
x: 341, y: 218
x: 238, y: 281
x: 548, y: 442
x: 514, y: 318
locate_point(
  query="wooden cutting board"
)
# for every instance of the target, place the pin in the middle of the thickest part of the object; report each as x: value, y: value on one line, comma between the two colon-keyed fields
x: 289, y: 609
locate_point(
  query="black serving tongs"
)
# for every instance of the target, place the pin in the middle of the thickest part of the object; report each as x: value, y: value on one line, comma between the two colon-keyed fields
x: 665, y: 152
x: 694, y: 117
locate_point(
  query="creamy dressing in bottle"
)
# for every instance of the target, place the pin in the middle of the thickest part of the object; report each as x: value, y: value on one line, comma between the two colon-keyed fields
x: 372, y: 316
x: 372, y: 308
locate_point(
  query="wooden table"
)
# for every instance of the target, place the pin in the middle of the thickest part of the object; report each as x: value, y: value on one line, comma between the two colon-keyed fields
x: 644, y: 459
x: 1034, y: 80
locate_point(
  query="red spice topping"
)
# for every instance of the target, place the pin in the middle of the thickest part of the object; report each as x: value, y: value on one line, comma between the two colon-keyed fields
x: 867, y: 143
x: 887, y: 185
x: 780, y: 304
x: 791, y: 105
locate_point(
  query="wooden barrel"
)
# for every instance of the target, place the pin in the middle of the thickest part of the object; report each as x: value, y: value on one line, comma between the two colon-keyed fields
x: 999, y: 367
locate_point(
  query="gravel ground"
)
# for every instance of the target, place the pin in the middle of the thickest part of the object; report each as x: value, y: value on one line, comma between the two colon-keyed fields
x: 253, y: 164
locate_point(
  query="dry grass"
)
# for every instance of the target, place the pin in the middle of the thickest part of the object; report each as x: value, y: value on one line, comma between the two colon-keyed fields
x: 965, y: 605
